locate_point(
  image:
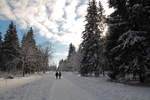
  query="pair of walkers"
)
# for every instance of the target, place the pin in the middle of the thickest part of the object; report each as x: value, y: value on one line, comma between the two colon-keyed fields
x: 58, y: 75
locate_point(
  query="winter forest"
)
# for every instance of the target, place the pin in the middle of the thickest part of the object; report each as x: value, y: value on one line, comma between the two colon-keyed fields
x: 112, y: 62
x: 25, y: 57
x: 123, y: 52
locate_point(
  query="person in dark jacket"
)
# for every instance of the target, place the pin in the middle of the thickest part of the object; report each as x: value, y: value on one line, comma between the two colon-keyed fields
x: 59, y: 74
x: 56, y: 74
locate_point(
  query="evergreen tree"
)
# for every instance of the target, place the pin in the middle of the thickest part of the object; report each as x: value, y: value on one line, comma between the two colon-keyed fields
x: 30, y: 39
x: 1, y: 54
x: 77, y: 59
x: 71, y: 57
x: 23, y: 59
x: 68, y: 64
x: 71, y: 51
x: 60, y: 66
x: 91, y: 38
x: 102, y: 67
x: 34, y: 58
x: 23, y: 41
x: 126, y: 51
x: 10, y: 47
x: 1, y: 41
x: 136, y: 39
x: 102, y: 17
x: 0, y: 38
x: 117, y: 26
x: 29, y: 50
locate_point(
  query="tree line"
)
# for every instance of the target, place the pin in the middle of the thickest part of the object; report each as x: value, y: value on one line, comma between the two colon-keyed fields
x: 69, y: 64
x: 25, y: 57
x: 124, y: 52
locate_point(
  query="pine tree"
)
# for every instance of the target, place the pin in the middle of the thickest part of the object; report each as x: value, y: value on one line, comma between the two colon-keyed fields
x: 30, y: 38
x: 91, y: 39
x: 0, y: 38
x: 11, y: 47
x: 71, y: 57
x: 102, y: 19
x: 138, y: 34
x: 29, y: 50
x: 77, y: 59
x: 71, y: 51
x: 127, y: 52
x: 60, y: 66
x: 68, y: 64
x: 1, y: 42
x: 117, y: 26
x: 1, y: 54
x: 23, y: 58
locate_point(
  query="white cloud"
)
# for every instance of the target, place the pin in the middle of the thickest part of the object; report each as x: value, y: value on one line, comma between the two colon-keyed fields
x: 81, y: 11
x: 58, y: 10
x: 50, y: 17
x: 61, y: 20
x: 61, y: 53
x: 6, y: 11
x: 105, y: 4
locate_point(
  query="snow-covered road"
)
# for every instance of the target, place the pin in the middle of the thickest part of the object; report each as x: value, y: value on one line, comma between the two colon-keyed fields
x: 74, y: 87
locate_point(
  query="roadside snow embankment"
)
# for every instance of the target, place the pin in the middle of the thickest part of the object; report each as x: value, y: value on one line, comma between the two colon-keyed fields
x: 8, y: 84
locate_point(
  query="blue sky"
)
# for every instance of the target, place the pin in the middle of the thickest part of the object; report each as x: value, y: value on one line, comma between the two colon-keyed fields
x: 58, y: 21
x: 59, y: 49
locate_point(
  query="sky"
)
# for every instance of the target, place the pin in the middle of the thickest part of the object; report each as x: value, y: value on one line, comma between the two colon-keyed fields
x: 59, y: 21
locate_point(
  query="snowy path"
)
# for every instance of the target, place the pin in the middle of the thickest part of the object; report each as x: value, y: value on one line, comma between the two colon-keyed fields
x: 73, y: 87
x: 65, y: 90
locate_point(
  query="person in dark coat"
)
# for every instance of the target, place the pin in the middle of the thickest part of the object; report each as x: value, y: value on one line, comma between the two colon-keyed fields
x: 59, y: 74
x: 56, y: 74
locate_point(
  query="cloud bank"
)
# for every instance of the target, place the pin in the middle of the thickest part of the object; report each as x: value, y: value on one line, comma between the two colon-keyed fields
x: 60, y: 20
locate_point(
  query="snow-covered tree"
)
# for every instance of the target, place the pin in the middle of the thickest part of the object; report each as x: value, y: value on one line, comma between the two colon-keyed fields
x: 91, y: 39
x: 77, y: 59
x: 1, y: 54
x: 71, y: 51
x: 117, y: 25
x: 69, y: 63
x: 138, y: 18
x: 43, y: 56
x: 71, y: 56
x: 102, y: 26
x: 128, y: 39
x: 34, y: 58
x: 29, y: 52
x: 131, y: 52
x: 0, y: 38
x: 11, y: 48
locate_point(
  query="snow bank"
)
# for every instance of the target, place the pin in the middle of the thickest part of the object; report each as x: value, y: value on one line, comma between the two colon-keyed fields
x: 8, y: 84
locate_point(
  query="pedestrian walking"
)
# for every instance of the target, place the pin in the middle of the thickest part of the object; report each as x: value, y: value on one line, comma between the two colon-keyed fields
x: 56, y: 74
x: 59, y: 74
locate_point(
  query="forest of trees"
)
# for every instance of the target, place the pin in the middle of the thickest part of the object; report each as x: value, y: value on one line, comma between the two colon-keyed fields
x: 122, y: 54
x: 25, y: 57
x: 124, y: 51
x: 68, y: 64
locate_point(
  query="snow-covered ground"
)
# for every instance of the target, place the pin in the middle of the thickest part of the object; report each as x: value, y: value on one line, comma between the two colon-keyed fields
x: 73, y: 87
x: 8, y: 84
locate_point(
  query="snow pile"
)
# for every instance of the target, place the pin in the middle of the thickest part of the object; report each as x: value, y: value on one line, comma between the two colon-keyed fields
x: 8, y: 84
